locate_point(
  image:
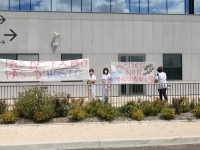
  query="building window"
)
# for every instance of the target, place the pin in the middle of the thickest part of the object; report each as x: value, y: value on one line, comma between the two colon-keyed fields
x: 14, y: 4
x: 58, y: 5
x: 158, y: 6
x: 76, y: 5
x: 172, y: 64
x: 4, y: 5
x: 25, y: 5
x: 38, y: 5
x: 176, y: 6
x: 26, y: 57
x: 101, y: 6
x: 86, y: 5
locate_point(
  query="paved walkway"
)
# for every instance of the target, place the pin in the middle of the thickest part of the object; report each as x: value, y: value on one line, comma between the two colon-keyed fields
x: 98, y: 135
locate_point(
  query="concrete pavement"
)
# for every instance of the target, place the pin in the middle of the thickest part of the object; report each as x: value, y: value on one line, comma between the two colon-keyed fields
x: 98, y: 135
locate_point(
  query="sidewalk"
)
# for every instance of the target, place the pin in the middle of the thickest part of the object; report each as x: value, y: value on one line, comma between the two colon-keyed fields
x: 98, y: 135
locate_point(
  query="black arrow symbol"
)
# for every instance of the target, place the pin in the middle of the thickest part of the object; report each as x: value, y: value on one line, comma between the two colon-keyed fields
x: 2, y: 19
x: 2, y: 42
x: 14, y: 34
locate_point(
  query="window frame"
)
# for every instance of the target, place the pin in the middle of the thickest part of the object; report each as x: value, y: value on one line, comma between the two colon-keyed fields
x: 181, y: 68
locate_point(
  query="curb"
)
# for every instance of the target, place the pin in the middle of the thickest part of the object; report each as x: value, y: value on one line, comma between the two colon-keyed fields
x: 105, y: 143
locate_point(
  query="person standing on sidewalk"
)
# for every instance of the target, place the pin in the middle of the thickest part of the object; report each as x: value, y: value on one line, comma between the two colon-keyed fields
x: 161, y: 79
x: 91, y: 80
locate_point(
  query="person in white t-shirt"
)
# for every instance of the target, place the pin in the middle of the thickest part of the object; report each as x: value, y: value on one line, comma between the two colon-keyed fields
x: 161, y: 79
x: 91, y: 81
x: 106, y: 83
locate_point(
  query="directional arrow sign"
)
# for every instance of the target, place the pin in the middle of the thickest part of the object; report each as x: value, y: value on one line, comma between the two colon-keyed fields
x: 14, y: 34
x: 2, y: 18
x: 2, y: 42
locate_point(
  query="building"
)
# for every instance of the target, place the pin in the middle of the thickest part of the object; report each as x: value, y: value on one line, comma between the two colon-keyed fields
x: 166, y: 32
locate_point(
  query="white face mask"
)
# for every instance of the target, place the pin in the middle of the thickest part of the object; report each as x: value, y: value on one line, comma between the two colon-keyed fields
x: 91, y: 72
x: 105, y: 71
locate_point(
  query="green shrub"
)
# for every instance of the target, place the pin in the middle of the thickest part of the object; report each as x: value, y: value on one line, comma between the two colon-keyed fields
x: 181, y: 104
x: 76, y: 102
x: 91, y: 108
x: 34, y: 100
x: 78, y: 113
x: 40, y: 117
x: 61, y: 106
x: 127, y: 108
x: 168, y: 113
x: 107, y: 112
x: 9, y: 117
x: 3, y: 106
x: 196, y: 111
x: 152, y: 108
x: 137, y: 114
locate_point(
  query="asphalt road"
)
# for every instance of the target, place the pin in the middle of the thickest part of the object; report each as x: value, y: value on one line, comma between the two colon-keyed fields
x: 172, y: 147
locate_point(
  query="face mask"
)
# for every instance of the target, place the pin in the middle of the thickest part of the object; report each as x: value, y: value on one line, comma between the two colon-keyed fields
x: 105, y: 71
x: 91, y: 72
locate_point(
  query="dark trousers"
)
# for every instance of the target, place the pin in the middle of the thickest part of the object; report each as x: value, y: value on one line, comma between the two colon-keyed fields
x: 162, y: 92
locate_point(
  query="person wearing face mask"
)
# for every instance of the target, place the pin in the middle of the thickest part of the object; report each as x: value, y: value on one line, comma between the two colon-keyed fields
x: 106, y: 83
x: 91, y: 81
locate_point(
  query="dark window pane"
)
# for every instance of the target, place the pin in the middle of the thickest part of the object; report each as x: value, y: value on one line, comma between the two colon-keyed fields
x: 158, y: 6
x: 134, y: 6
x: 172, y: 64
x: 120, y: 6
x: 122, y: 58
x: 14, y: 4
x: 187, y: 6
x: 28, y: 57
x: 86, y: 6
x: 24, y: 4
x: 196, y: 7
x: 101, y: 5
x: 4, y: 5
x: 41, y: 5
x: 8, y: 56
x: 61, y: 5
x: 143, y: 6
x: 76, y: 5
x: 71, y: 56
x: 176, y: 6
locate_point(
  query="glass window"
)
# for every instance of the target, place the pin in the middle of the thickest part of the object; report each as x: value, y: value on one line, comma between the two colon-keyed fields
x: 14, y: 4
x: 144, y: 6
x: 158, y: 6
x: 101, y: 5
x: 41, y: 5
x: 134, y: 6
x: 86, y: 5
x: 25, y: 5
x: 187, y: 10
x: 61, y: 5
x: 196, y: 7
x: 71, y: 56
x: 172, y: 64
x: 76, y: 5
x: 28, y: 57
x: 4, y: 5
x: 176, y: 6
x: 8, y: 56
x: 120, y: 6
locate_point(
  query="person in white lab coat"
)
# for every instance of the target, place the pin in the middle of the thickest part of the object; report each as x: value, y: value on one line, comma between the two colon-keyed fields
x: 91, y: 81
x: 106, y: 83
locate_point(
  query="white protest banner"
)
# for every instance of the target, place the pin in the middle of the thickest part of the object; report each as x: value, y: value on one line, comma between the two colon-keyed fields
x: 132, y: 72
x: 19, y: 70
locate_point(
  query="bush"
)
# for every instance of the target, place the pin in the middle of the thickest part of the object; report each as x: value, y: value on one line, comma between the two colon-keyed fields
x: 76, y: 102
x: 40, y: 117
x: 152, y: 108
x: 181, y: 104
x: 78, y: 113
x: 137, y: 114
x: 127, y: 108
x: 196, y: 111
x: 9, y: 117
x: 61, y: 106
x: 92, y: 107
x: 35, y: 100
x: 107, y: 112
x: 3, y: 106
x: 168, y: 113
